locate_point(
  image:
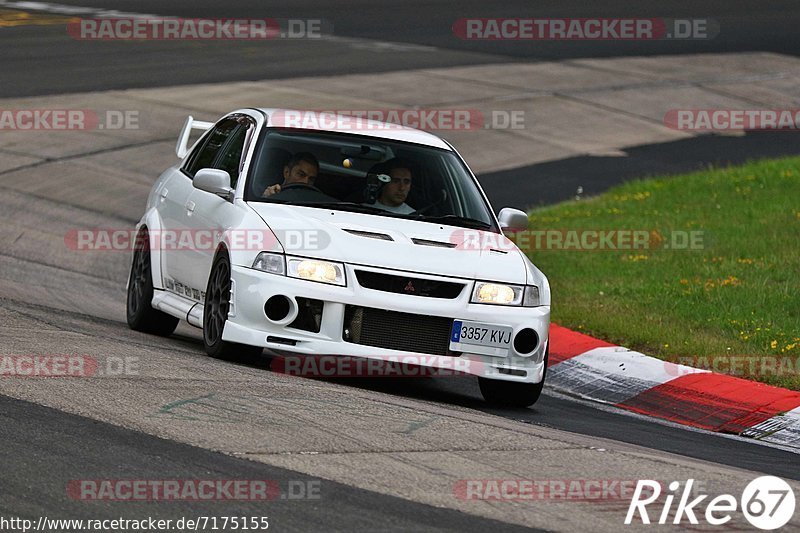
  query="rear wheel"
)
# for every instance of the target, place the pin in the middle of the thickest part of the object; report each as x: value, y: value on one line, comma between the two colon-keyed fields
x: 510, y: 393
x: 140, y: 313
x: 215, y: 314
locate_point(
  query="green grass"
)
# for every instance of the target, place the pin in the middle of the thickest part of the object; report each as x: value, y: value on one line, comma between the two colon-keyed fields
x: 733, y: 304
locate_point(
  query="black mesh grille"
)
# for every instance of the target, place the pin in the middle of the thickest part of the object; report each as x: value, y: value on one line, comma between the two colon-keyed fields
x: 397, y: 331
x: 407, y: 285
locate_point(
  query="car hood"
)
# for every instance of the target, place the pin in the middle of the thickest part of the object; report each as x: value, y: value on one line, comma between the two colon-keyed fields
x: 424, y: 247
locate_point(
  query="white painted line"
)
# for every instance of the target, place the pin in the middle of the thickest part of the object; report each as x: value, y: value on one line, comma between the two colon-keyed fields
x: 62, y: 9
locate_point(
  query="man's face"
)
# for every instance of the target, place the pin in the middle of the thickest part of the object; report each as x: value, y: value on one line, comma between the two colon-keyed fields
x: 395, y: 192
x: 303, y: 172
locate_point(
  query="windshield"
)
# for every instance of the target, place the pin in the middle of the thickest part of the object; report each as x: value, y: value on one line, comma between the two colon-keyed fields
x: 368, y: 175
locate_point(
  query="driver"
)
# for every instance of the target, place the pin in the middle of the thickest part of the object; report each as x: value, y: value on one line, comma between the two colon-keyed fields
x: 302, y: 168
x: 393, y: 194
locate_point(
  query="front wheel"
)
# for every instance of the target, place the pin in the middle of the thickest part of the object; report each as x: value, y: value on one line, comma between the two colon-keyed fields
x: 215, y: 314
x: 140, y: 313
x: 511, y: 393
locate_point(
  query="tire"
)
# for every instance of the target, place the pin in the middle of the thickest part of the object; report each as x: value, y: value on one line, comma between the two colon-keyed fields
x: 215, y: 314
x: 140, y: 313
x: 503, y: 393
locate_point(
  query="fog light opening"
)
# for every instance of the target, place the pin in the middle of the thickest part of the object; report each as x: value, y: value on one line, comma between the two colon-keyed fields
x: 512, y: 372
x: 526, y: 341
x: 278, y: 308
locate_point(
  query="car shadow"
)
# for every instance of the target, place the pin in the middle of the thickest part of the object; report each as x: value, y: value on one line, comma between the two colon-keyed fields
x: 454, y: 389
x: 404, y: 381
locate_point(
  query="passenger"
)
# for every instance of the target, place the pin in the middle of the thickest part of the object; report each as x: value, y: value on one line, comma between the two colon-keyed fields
x: 393, y: 195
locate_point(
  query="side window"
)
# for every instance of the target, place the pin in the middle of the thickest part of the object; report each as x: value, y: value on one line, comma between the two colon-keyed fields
x: 204, y: 155
x: 231, y: 159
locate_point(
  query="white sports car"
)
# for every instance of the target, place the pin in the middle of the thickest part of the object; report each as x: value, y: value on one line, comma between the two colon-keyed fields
x: 373, y: 241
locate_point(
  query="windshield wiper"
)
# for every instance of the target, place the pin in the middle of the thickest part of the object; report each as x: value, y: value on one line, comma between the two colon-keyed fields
x: 457, y: 220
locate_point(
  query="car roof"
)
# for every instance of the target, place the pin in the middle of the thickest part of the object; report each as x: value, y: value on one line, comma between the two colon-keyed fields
x: 316, y: 120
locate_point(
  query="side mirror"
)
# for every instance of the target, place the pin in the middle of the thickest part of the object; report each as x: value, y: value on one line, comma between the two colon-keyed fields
x: 512, y: 219
x: 214, y: 181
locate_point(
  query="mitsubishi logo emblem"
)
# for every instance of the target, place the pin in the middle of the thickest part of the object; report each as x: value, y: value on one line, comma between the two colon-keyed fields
x: 410, y: 287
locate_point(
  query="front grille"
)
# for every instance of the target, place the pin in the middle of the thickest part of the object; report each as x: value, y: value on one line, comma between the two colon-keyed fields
x: 393, y: 330
x: 406, y: 285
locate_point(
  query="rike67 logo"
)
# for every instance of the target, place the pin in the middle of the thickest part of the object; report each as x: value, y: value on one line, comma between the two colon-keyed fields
x: 767, y: 503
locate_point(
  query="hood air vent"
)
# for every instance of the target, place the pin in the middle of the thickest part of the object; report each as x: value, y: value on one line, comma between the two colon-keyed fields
x: 440, y: 244
x: 369, y: 234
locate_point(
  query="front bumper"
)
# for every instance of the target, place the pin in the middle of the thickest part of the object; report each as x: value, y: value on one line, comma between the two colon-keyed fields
x: 248, y: 324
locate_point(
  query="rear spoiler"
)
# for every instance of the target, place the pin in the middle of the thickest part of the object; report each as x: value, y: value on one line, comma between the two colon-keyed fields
x: 182, y: 148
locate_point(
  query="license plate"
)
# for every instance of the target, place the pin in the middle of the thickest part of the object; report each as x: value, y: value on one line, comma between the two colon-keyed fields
x: 477, y: 337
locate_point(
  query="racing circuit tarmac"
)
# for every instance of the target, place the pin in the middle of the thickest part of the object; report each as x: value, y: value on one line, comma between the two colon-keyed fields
x: 388, y: 454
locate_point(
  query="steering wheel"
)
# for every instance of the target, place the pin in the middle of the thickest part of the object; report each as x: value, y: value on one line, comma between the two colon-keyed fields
x: 423, y: 210
x: 300, y: 186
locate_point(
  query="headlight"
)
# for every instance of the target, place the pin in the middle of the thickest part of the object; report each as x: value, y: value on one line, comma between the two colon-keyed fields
x: 270, y: 262
x: 316, y: 270
x: 502, y: 294
x: 298, y: 267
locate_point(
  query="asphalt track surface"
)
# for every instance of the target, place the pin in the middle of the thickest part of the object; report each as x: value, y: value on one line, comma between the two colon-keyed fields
x: 370, y: 37
x: 44, y: 440
x: 557, y: 181
x: 54, y: 303
x: 385, y: 36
